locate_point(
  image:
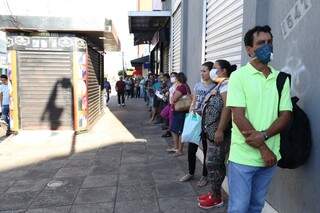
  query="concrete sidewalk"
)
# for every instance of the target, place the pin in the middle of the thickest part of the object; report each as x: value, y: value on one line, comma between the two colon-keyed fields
x: 119, y: 166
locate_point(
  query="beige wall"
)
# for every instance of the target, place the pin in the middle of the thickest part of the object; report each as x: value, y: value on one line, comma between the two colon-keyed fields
x: 144, y: 5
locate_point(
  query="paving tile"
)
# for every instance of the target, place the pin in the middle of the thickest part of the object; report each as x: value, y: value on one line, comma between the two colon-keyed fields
x: 137, y: 206
x: 172, y: 175
x: 104, y: 170
x: 72, y: 172
x: 78, y: 163
x: 136, y: 192
x: 96, y: 195
x: 56, y: 194
x: 16, y: 200
x: 174, y: 189
x: 52, y: 198
x: 14, y: 211
x: 13, y: 174
x: 93, y: 208
x: 36, y: 174
x: 28, y: 185
x: 5, y: 185
x: 84, y: 155
x: 100, y: 181
x: 136, y: 177
x: 61, y: 209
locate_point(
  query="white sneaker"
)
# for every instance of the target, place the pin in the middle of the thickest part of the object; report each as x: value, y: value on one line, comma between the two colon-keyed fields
x: 185, y: 178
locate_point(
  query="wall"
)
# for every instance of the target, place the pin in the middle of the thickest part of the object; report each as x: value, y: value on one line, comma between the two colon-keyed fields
x: 295, y: 191
x: 192, y: 40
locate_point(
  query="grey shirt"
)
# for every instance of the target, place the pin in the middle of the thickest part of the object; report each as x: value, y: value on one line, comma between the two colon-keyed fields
x: 200, y: 91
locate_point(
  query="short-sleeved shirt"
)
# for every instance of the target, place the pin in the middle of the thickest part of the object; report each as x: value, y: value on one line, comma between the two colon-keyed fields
x: 107, y: 85
x: 4, y: 89
x: 250, y: 89
x: 200, y: 91
x: 183, y: 89
x: 121, y: 86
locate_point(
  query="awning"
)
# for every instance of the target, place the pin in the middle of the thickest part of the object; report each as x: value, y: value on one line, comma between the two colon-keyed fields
x: 99, y: 31
x: 144, y: 24
x: 139, y: 61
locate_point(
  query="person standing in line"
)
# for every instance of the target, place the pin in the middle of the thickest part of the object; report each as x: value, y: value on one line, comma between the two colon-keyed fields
x: 178, y: 117
x: 216, y: 118
x: 107, y: 87
x: 258, y: 118
x: 201, y: 89
x: 120, y: 88
x: 5, y: 100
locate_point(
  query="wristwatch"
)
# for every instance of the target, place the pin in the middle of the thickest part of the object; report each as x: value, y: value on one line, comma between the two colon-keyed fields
x: 265, y: 135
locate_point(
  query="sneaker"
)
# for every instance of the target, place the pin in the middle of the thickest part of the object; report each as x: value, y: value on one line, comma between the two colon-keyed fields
x: 123, y: 105
x: 203, y: 181
x: 204, y: 196
x: 210, y: 203
x: 178, y: 154
x: 186, y: 178
x: 171, y: 150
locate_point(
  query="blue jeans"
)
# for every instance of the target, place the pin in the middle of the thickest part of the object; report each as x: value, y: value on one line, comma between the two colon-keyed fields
x: 248, y: 187
x: 5, y: 114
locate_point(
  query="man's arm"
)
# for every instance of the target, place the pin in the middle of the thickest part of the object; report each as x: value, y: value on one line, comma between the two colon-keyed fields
x: 240, y: 120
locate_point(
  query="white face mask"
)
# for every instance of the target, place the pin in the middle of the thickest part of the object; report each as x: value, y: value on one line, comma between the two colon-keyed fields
x: 213, y: 74
x: 173, y: 79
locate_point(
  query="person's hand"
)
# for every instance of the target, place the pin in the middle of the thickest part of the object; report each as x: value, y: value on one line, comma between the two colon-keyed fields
x: 218, y: 136
x: 254, y: 138
x: 213, y: 92
x: 268, y: 156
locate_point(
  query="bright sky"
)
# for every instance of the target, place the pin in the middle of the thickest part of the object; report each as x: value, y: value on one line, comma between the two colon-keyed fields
x: 117, y: 10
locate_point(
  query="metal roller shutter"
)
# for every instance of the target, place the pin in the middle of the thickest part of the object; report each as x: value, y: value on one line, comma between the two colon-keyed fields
x: 94, y: 91
x: 224, y: 20
x: 176, y: 40
x: 45, y: 91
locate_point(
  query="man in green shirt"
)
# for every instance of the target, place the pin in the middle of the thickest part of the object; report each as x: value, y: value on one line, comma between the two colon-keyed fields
x: 255, y: 143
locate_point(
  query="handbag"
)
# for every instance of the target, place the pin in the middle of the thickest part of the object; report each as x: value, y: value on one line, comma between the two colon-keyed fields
x: 165, y: 112
x: 183, y: 104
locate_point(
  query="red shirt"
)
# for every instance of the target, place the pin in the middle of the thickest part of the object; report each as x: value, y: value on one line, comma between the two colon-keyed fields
x: 120, y: 86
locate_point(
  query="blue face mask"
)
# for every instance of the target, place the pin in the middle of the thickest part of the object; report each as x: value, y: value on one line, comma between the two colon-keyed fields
x: 264, y: 53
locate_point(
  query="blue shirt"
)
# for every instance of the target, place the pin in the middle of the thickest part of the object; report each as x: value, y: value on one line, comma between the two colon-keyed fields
x: 4, y: 89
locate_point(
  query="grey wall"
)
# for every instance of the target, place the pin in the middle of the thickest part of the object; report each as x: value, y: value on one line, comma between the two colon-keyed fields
x: 295, y: 191
x: 192, y: 39
x: 166, y: 5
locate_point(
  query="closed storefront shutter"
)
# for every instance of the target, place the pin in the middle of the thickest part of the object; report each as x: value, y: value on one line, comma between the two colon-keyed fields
x: 176, y: 40
x: 94, y: 87
x: 224, y: 20
x: 45, y: 90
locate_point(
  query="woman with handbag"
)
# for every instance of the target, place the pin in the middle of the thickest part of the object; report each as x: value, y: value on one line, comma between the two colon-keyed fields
x: 201, y: 89
x: 181, y: 102
x: 217, y: 130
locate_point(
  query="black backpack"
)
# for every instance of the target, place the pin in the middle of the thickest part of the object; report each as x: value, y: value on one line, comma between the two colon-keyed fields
x: 295, y: 143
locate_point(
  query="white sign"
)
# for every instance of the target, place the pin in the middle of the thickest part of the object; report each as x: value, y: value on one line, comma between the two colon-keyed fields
x: 297, y: 12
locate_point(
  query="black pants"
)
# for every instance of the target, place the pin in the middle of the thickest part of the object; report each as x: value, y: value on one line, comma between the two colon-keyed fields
x: 138, y: 92
x: 121, y: 98
x: 107, y: 97
x: 192, y: 158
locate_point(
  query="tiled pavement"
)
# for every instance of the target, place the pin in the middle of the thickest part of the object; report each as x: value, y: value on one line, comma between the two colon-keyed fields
x: 129, y: 176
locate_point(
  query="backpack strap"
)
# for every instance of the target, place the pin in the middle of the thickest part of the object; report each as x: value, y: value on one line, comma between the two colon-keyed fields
x: 281, y: 79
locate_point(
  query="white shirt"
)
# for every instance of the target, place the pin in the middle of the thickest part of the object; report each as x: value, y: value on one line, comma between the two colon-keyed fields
x: 4, y: 89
